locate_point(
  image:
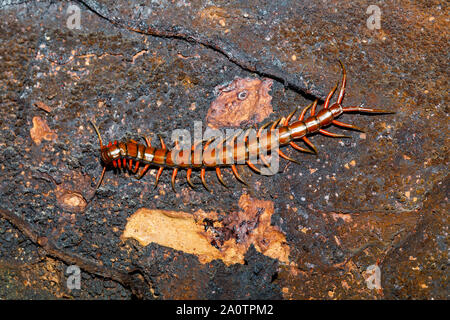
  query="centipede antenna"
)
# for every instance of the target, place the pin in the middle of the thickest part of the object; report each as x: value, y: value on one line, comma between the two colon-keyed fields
x: 101, y: 178
x: 366, y: 110
x: 98, y: 133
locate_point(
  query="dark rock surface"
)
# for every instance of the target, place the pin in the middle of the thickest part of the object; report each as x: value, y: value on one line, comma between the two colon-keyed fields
x: 141, y: 68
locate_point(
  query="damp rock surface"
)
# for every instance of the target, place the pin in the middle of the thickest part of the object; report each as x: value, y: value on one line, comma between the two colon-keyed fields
x: 379, y: 199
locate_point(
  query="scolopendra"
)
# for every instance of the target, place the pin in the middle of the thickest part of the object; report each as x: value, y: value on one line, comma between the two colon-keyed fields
x: 227, y: 152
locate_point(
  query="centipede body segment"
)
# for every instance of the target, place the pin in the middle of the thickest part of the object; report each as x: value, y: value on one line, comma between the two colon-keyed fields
x: 227, y: 152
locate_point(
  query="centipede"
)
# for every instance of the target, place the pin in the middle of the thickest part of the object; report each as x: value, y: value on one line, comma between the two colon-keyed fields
x: 241, y: 148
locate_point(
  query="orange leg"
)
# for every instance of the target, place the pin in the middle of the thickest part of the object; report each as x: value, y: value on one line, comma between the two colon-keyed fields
x: 136, y: 168
x: 143, y: 171
x: 275, y: 123
x: 309, y: 143
x: 188, y: 177
x: 252, y: 166
x: 202, y: 176
x: 303, y: 113
x: 286, y: 121
x: 331, y: 134
x: 313, y: 109
x: 174, y: 175
x: 158, y: 175
x: 236, y: 173
x: 346, y: 125
x: 264, y: 160
x: 163, y: 145
x: 296, y: 146
x: 287, y: 157
x: 262, y: 128
x: 327, y: 100
x: 219, y: 176
x: 148, y: 141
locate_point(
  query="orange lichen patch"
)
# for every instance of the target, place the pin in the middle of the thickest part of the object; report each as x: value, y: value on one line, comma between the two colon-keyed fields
x: 204, y: 235
x: 346, y: 217
x: 41, y: 131
x: 243, y: 101
x: 72, y: 192
x: 42, y: 106
x: 71, y: 201
x: 253, y: 226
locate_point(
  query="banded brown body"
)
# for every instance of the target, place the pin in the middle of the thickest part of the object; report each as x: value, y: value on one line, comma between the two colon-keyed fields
x: 240, y: 148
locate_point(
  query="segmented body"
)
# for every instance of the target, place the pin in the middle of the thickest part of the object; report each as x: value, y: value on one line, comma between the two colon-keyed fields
x: 228, y: 152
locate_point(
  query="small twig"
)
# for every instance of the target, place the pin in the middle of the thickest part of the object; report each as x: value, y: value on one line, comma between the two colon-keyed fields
x: 128, y: 279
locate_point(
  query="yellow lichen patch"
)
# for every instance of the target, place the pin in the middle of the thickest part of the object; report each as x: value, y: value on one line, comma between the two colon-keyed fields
x: 214, y: 13
x: 174, y: 229
x: 41, y: 131
x: 238, y: 230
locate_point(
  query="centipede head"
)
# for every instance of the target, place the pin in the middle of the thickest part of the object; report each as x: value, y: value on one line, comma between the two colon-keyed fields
x: 104, y: 152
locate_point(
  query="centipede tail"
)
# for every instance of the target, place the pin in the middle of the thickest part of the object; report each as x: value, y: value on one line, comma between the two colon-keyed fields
x: 138, y: 158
